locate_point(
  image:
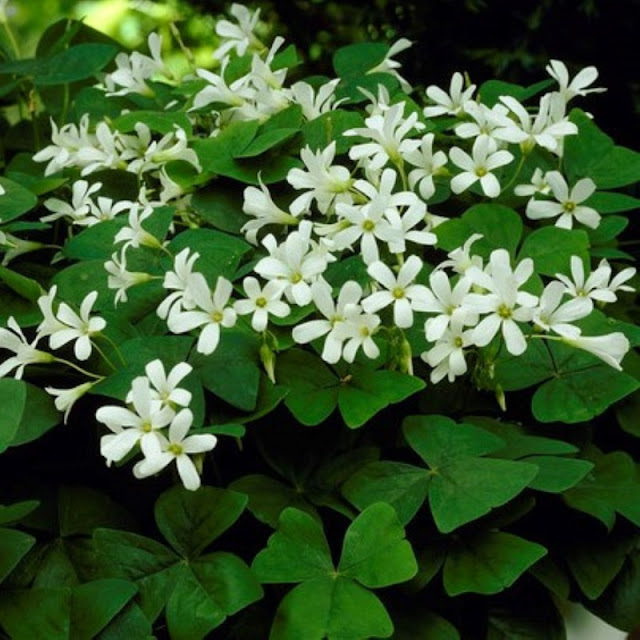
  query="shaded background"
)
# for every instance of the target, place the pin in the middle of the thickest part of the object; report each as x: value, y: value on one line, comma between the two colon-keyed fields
x: 487, y: 38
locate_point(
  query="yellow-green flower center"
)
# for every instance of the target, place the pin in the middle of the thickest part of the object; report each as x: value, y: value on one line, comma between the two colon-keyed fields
x: 481, y: 172
x: 175, y: 449
x: 504, y: 311
x: 398, y: 293
x: 569, y: 207
x: 261, y: 302
x: 368, y: 225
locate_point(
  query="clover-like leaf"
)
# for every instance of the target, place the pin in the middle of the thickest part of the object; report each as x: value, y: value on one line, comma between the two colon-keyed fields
x: 488, y: 562
x: 297, y: 551
x: 375, y: 552
x: 464, y: 486
x: 192, y: 520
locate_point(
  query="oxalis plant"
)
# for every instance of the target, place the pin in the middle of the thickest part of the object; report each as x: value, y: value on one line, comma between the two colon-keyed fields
x: 311, y: 358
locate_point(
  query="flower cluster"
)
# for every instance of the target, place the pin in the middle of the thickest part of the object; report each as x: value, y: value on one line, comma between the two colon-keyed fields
x: 374, y: 195
x: 158, y: 422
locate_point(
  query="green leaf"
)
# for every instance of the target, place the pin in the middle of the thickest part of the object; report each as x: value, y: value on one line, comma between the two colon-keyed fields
x: 13, y: 396
x: 15, y: 201
x: 375, y: 552
x: 148, y: 563
x: 595, y: 561
x: 500, y: 226
x: 551, y: 248
x: 581, y: 393
x: 221, y: 208
x: 267, y: 140
x: 75, y: 63
x: 94, y: 604
x: 25, y: 287
x: 39, y: 416
x: 401, y: 485
x: 269, y: 497
x: 354, y: 60
x: 611, y: 202
x: 423, y: 624
x: 366, y: 392
x: 192, y: 520
x: 488, y: 562
x: 220, y: 253
x: 491, y: 90
x: 532, y: 618
x: 320, y: 132
x: 582, y: 152
x: 313, y: 387
x: 464, y: 486
x: 129, y: 623
x: 618, y: 605
x: 36, y: 614
x: 297, y: 551
x: 607, y: 489
x: 232, y: 372
x: 618, y: 168
x: 14, y: 545
x: 556, y: 474
x: 12, y: 513
x: 439, y: 439
x: 207, y: 591
x: 337, y: 609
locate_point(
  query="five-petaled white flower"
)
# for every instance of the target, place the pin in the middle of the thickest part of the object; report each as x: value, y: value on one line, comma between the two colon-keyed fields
x: 478, y: 166
x: 400, y: 291
x: 211, y: 312
x: 13, y: 339
x: 568, y: 206
x: 261, y: 301
x: 161, y: 450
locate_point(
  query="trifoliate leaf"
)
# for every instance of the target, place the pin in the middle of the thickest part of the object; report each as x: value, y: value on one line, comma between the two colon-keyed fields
x: 551, y: 248
x: 488, y: 562
x: 297, y: 551
x: 333, y: 608
x: 13, y: 547
x: 375, y: 552
x: 192, y: 520
x: 557, y: 474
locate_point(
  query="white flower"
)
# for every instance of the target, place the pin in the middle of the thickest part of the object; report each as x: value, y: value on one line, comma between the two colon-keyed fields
x: 134, y: 70
x: 160, y: 451
x: 478, y: 166
x: 25, y: 352
x: 72, y: 326
x: 335, y: 313
x: 211, y: 312
x: 447, y: 355
x: 452, y: 103
x: 428, y: 165
x: 328, y: 183
x: 234, y: 95
x: 132, y: 426
x: 66, y: 398
x: 548, y: 128
x: 357, y: 332
x: 388, y: 65
x: 504, y: 303
x: 178, y: 281
x: 597, y: 285
x: 568, y: 204
x: 578, y: 86
x: 538, y: 184
x: 295, y: 263
x: 313, y: 103
x: 164, y: 388
x: 261, y: 301
x: 240, y: 36
x: 80, y: 203
x: 120, y: 279
x: 554, y: 315
x: 387, y: 132
x: 66, y: 142
x: 460, y: 259
x: 610, y: 348
x: 156, y: 153
x: 103, y: 151
x: 447, y: 303
x: 405, y: 297
x: 258, y: 203
x: 134, y: 234
x: 485, y: 120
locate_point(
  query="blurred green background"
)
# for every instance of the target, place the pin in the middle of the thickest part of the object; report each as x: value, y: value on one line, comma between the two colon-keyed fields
x: 512, y: 40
